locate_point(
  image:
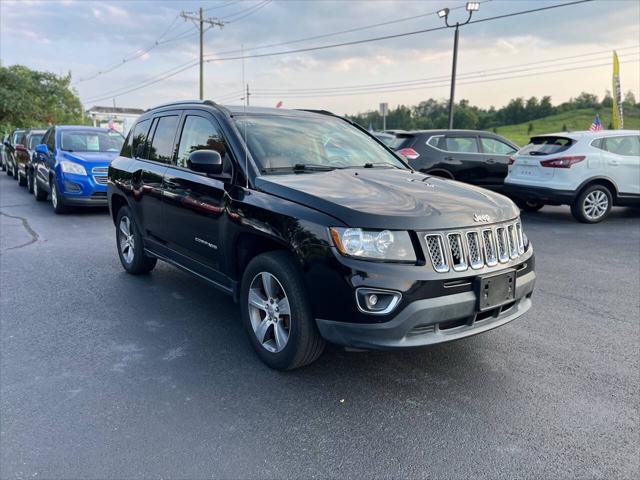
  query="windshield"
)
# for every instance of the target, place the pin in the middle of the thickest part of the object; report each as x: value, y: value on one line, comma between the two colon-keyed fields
x: 91, y: 141
x: 546, y: 145
x: 279, y: 143
x: 35, y: 139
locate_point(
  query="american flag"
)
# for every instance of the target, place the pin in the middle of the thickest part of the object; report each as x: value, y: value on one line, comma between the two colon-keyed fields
x: 596, y: 125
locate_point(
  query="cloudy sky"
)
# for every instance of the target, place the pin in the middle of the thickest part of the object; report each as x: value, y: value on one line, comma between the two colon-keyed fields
x: 558, y: 52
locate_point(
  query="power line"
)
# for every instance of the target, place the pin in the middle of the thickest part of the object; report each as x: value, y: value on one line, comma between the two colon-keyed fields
x: 249, y: 11
x: 216, y: 7
x: 441, y: 84
x: 484, y: 72
x: 167, y: 74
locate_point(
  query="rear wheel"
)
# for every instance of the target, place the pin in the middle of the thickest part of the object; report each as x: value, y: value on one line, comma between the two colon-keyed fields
x: 30, y: 182
x: 38, y: 192
x: 14, y: 172
x: 130, y: 245
x: 593, y: 204
x: 529, y: 205
x: 56, y: 199
x: 22, y: 179
x: 276, y: 313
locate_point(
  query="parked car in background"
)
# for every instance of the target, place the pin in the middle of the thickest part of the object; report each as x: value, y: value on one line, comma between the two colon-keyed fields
x: 71, y: 165
x: 590, y: 171
x: 4, y: 151
x: 15, y: 143
x: 320, y: 232
x: 386, y: 138
x: 475, y: 157
x: 24, y: 155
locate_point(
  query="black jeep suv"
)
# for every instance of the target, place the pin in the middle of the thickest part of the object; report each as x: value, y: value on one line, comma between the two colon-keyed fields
x: 317, y: 229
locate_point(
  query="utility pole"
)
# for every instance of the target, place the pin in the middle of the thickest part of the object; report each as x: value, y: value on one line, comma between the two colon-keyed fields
x: 199, y: 20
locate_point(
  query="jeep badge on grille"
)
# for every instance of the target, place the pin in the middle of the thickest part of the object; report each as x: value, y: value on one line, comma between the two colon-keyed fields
x: 481, y: 218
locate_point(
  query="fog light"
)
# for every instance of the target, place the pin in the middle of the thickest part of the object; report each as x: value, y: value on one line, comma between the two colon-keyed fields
x: 376, y: 301
x: 372, y: 300
x: 71, y: 187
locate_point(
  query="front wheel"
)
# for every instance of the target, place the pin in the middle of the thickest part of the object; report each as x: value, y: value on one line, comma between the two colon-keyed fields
x: 130, y: 245
x: 38, y: 192
x: 276, y: 312
x: 22, y: 179
x: 56, y: 199
x: 30, y: 182
x: 593, y: 204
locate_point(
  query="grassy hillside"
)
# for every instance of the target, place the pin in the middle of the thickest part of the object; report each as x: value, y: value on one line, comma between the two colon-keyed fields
x: 572, y: 120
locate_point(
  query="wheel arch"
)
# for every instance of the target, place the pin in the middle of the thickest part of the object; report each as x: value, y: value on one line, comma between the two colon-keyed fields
x: 605, y: 181
x: 116, y: 202
x: 440, y: 172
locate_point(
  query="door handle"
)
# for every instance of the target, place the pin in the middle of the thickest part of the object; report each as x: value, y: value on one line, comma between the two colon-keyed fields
x: 448, y: 159
x: 171, y: 185
x: 491, y: 160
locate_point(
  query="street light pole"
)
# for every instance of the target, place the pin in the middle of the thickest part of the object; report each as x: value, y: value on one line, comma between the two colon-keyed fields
x: 444, y: 13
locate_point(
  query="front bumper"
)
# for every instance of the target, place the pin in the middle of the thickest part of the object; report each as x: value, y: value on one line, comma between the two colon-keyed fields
x: 430, y: 321
x: 82, y: 190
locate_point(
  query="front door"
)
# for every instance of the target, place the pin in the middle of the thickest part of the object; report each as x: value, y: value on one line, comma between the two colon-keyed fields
x: 622, y: 162
x: 496, y: 158
x: 194, y: 201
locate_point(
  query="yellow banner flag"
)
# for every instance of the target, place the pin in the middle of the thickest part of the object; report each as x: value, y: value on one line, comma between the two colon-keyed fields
x: 618, y: 121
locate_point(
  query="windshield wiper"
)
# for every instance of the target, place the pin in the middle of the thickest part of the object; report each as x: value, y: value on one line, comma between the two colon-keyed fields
x: 301, y: 167
x: 378, y: 165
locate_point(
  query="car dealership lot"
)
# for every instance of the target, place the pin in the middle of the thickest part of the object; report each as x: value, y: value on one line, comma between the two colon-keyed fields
x: 107, y: 375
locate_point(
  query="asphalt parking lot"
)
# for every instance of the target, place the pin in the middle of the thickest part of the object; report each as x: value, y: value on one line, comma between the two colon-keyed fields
x: 106, y: 375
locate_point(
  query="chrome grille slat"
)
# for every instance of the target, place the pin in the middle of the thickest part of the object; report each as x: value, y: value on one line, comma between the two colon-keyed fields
x: 475, y: 248
x: 100, y: 175
x: 437, y: 252
x: 456, y: 248
x: 489, y: 247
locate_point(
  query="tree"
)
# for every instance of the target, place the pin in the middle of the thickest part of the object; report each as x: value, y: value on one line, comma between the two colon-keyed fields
x: 629, y: 99
x: 30, y: 98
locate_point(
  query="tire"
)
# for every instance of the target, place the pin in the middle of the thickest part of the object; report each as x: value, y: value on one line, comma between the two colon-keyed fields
x: 22, y: 179
x: 14, y: 172
x: 277, y: 272
x: 30, y: 182
x: 593, y: 204
x: 130, y: 245
x: 40, y: 194
x: 4, y: 167
x: 57, y: 201
x: 529, y: 205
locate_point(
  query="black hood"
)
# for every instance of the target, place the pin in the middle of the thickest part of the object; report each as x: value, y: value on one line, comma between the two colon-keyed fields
x: 390, y: 198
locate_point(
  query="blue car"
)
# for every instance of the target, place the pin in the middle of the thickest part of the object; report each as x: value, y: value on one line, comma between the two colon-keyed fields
x: 71, y: 166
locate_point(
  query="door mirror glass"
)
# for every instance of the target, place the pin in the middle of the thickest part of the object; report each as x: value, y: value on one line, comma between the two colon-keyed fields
x: 42, y: 149
x: 21, y: 148
x: 205, y: 161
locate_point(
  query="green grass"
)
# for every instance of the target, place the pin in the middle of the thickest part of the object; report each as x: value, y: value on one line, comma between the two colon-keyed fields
x: 579, y: 119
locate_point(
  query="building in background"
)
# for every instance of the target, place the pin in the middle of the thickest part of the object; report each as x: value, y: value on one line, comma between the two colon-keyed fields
x: 117, y: 118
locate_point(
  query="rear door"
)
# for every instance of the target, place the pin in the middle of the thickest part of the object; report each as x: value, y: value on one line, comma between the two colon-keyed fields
x: 496, y: 157
x: 462, y: 157
x: 153, y: 145
x: 622, y: 162
x: 194, y: 201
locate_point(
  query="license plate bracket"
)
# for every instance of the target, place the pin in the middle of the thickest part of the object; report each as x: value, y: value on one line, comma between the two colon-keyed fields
x: 495, y: 290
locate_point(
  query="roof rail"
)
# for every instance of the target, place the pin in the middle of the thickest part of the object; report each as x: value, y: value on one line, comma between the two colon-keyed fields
x: 182, y: 102
x: 321, y: 112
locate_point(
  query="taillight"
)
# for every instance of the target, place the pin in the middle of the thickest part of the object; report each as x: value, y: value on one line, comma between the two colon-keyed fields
x: 562, y: 162
x: 409, y: 153
x: 512, y: 160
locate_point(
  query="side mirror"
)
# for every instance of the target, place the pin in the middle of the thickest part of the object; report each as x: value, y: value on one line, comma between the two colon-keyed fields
x: 21, y: 148
x: 42, y: 148
x: 205, y: 161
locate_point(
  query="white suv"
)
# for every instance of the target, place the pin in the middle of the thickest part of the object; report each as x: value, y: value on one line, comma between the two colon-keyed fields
x: 591, y: 171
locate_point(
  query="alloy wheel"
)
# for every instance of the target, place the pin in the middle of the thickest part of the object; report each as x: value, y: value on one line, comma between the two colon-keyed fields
x: 595, y: 204
x: 269, y: 312
x: 35, y: 187
x: 127, y: 242
x: 54, y: 195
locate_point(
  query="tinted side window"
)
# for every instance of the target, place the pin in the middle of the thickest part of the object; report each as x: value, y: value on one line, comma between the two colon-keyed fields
x: 162, y: 145
x: 461, y: 144
x: 491, y: 145
x: 199, y: 133
x: 137, y: 136
x: 628, y: 146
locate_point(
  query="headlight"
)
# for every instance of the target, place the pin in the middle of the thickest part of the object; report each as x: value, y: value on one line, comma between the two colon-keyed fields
x: 72, y: 167
x: 384, y: 245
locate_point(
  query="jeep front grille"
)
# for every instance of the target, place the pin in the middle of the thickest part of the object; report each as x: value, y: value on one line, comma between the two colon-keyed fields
x: 475, y: 248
